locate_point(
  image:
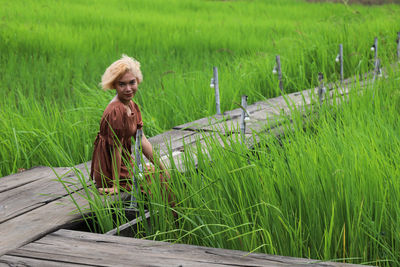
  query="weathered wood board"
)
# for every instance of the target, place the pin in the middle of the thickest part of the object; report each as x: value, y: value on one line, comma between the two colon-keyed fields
x: 43, y: 187
x: 71, y: 248
x: 36, y: 223
x: 29, y: 197
x: 19, y: 179
x: 172, y: 140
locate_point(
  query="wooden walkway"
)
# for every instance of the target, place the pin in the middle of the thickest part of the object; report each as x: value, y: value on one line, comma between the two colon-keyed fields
x: 72, y: 248
x: 33, y: 205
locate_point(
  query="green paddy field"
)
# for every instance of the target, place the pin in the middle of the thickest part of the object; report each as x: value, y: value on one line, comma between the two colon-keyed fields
x: 53, y: 54
x: 329, y: 190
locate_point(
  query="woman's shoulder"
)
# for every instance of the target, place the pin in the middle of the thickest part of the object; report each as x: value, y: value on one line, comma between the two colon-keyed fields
x: 114, y: 109
x: 134, y: 106
x: 114, y: 105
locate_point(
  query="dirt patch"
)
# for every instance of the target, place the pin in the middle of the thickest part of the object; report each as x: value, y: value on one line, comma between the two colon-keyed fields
x: 363, y: 2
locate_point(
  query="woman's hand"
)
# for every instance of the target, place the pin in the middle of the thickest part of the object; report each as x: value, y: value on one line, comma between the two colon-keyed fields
x: 167, y: 175
x: 108, y: 190
x: 147, y: 149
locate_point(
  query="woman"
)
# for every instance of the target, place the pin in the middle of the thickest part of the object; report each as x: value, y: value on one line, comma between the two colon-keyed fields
x: 112, y: 163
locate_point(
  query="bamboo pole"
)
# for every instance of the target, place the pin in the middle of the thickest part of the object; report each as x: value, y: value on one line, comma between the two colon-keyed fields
x: 279, y: 70
x: 376, y: 48
x: 216, y: 87
x: 398, y: 46
x: 321, y: 88
x: 377, y: 61
x: 243, y: 118
x: 341, y: 63
x: 138, y: 174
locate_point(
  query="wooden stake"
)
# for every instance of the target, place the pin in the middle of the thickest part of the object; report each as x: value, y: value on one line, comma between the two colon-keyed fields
x: 243, y: 118
x: 341, y: 63
x: 376, y: 72
x: 278, y: 64
x: 377, y: 61
x: 139, y: 168
x: 216, y: 87
x: 398, y: 46
x: 321, y: 88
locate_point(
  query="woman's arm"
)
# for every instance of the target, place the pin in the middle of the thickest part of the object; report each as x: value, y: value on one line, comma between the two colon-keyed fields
x: 147, y: 149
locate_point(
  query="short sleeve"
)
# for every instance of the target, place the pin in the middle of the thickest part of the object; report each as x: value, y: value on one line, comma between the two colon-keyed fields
x: 114, y: 126
x: 138, y: 117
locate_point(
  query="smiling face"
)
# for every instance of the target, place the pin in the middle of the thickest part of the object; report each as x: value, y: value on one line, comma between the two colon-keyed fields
x: 126, y: 86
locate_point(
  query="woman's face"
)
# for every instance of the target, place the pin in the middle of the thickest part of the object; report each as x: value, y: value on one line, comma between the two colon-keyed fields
x: 126, y: 87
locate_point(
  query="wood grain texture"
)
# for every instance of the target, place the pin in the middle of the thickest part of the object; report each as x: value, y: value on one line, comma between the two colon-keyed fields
x: 170, y: 141
x: 38, y: 222
x: 19, y: 179
x: 126, y: 229
x: 11, y: 261
x: 29, y: 196
x: 169, y: 137
x: 71, y: 247
x: 198, y: 124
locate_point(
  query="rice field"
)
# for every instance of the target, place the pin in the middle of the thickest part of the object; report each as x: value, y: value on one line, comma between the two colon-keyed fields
x: 328, y: 189
x: 54, y: 53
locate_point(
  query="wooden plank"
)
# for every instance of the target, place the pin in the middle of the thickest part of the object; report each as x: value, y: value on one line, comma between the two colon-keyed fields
x: 125, y: 229
x: 105, y: 250
x: 24, y: 198
x: 198, y: 124
x: 269, y: 110
x: 229, y: 124
x: 28, y: 197
x: 258, y: 126
x: 263, y: 118
x: 83, y: 167
x: 275, y: 127
x: 170, y: 141
x: 22, y: 262
x: 226, y: 127
x: 169, y: 136
x: 260, y: 113
x: 28, y: 176
x: 257, y: 106
x: 179, y: 142
x: 264, y: 114
x: 205, y: 123
x: 191, y: 145
x: 299, y: 99
x: 37, y: 223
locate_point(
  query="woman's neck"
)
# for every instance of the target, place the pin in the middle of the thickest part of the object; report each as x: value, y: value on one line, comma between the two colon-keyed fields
x: 116, y: 98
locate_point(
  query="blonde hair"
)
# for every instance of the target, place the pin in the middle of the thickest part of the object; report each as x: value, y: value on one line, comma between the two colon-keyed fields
x: 118, y: 69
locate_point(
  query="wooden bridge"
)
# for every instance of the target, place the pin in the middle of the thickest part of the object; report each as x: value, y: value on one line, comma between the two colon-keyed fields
x: 36, y: 211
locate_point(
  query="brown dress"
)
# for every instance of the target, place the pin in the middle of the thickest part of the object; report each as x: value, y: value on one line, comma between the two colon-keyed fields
x: 116, y: 127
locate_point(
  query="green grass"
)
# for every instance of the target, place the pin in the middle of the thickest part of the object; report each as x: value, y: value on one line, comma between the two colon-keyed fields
x: 54, y: 53
x: 327, y: 189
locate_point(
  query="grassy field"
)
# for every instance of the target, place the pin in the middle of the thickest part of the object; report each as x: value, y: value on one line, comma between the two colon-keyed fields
x: 54, y: 53
x: 328, y: 189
